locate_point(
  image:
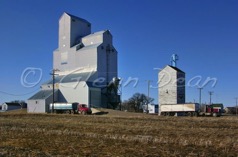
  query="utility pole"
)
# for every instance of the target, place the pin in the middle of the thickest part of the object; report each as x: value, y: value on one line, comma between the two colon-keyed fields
x: 121, y: 97
x: 148, y: 81
x: 53, y: 86
x: 200, y: 98
x: 236, y: 105
x: 210, y: 93
x: 200, y: 95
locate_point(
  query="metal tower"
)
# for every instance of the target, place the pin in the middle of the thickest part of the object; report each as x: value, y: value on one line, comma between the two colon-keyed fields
x: 174, y: 59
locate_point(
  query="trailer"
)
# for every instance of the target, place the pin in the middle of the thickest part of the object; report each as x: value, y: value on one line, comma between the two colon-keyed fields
x: 70, y: 108
x: 192, y: 109
x: 179, y: 109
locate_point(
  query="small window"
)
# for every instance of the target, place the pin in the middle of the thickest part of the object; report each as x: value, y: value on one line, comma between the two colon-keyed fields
x: 102, y: 47
x: 73, y: 20
x: 63, y: 63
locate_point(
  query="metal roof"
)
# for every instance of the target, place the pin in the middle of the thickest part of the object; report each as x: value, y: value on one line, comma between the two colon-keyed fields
x: 90, y: 46
x: 96, y: 33
x: 86, y: 76
x: 177, y: 69
x: 42, y: 94
x: 97, y: 84
x: 78, y: 18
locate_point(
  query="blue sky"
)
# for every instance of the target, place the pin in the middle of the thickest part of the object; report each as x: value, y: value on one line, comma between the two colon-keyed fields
x: 146, y: 33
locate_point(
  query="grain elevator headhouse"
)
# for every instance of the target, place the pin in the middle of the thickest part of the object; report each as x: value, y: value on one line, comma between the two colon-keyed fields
x: 86, y: 66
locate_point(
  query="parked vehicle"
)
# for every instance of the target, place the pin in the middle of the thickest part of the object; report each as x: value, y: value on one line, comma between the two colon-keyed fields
x: 70, y: 108
x: 189, y: 110
x: 214, y: 110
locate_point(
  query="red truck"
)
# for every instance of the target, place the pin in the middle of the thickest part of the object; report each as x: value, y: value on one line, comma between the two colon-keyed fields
x: 214, y: 110
x: 70, y: 108
x: 191, y: 109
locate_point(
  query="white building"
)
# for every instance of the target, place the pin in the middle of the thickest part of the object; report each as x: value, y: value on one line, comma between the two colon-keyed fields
x: 4, y: 107
x: 171, y: 86
x: 8, y: 106
x: 86, y: 64
x: 153, y: 108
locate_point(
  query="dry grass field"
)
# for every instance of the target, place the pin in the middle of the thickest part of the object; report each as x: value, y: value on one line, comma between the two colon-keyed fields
x: 116, y: 134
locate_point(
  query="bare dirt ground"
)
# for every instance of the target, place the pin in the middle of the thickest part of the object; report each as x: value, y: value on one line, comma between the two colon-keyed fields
x: 117, y: 133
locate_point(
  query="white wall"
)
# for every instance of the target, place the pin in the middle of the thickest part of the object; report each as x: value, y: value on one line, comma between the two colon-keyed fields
x: 107, y: 61
x: 86, y: 58
x: 91, y: 39
x: 75, y: 92
x: 4, y: 107
x: 36, y: 106
x: 71, y: 31
x: 167, y: 86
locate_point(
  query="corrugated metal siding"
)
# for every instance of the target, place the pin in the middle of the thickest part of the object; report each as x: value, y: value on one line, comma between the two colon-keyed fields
x: 79, y: 29
x: 167, y: 87
x: 102, y: 63
x: 86, y: 58
x: 36, y: 106
x: 170, y: 90
x: 41, y: 104
x: 93, y: 39
x: 113, y: 64
x: 75, y: 92
x: 95, y: 97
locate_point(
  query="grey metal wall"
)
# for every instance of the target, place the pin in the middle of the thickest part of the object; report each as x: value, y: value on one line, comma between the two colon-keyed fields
x: 86, y: 58
x: 167, y: 86
x: 40, y: 105
x: 36, y: 106
x: 75, y: 92
x: 71, y: 31
x: 171, y: 86
x: 95, y: 97
x: 181, y: 96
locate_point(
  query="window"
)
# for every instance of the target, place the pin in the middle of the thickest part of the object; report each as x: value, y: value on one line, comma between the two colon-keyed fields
x: 62, y: 63
x: 64, y: 58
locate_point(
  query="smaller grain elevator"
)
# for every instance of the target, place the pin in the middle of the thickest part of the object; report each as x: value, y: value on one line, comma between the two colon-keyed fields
x: 171, y: 86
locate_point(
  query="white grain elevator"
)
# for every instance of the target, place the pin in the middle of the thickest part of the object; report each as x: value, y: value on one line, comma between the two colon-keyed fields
x: 171, y: 84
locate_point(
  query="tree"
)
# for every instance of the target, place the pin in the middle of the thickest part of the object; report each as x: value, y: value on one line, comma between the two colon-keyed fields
x: 18, y: 101
x: 21, y: 102
x: 136, y: 102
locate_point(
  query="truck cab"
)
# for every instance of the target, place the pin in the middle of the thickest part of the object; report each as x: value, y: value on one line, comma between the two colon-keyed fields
x: 83, y: 109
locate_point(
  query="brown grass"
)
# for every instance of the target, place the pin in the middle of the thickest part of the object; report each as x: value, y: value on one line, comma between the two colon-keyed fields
x: 24, y: 134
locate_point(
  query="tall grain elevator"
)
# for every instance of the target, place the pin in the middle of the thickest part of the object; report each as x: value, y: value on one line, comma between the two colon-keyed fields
x: 85, y: 66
